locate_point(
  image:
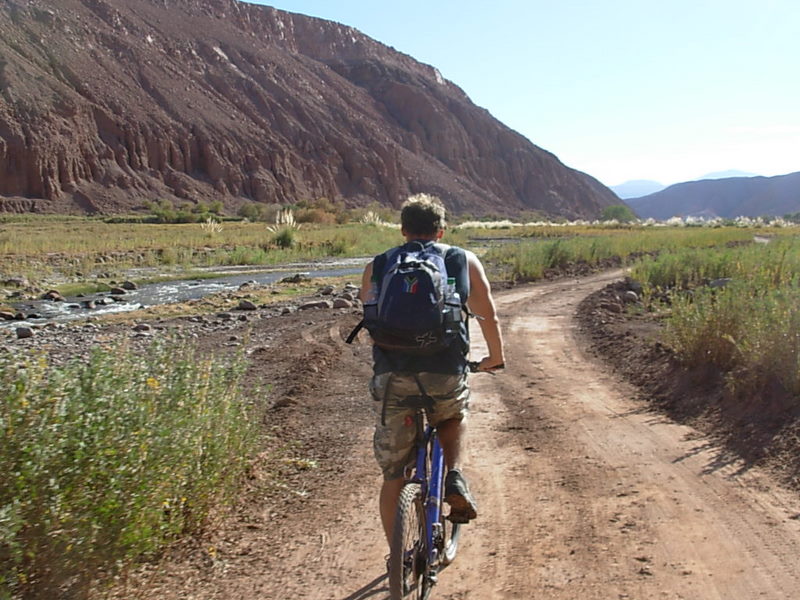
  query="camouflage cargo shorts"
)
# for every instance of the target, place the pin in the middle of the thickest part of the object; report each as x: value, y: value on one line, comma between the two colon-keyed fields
x: 393, y: 441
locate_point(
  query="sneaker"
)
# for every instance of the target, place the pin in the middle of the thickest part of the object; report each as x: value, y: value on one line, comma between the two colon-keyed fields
x: 456, y: 493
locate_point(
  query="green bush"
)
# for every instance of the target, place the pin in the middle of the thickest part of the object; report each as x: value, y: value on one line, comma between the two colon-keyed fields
x: 618, y: 212
x: 285, y: 237
x: 109, y: 459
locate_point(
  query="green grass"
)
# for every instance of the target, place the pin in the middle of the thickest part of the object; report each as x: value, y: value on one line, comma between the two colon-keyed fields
x: 111, y: 458
x: 529, y: 260
x: 75, y: 249
x: 750, y: 328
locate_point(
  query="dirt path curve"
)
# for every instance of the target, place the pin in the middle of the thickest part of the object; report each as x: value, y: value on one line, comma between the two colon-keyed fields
x: 583, y: 494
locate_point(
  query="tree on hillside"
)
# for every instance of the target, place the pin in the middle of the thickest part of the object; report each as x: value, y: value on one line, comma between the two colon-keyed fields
x: 618, y: 212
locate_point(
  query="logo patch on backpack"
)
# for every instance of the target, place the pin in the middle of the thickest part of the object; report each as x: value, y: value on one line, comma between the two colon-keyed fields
x: 416, y: 310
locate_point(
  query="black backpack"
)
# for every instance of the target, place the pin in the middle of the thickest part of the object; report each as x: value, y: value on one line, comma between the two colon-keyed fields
x: 412, y: 306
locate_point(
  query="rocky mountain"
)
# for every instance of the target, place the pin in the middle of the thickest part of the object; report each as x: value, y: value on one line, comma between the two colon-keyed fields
x: 109, y: 103
x: 727, y: 198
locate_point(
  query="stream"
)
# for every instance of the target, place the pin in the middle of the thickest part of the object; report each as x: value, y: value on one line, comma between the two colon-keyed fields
x: 40, y: 312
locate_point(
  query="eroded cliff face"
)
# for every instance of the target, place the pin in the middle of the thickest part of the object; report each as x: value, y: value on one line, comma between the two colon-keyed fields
x: 108, y: 103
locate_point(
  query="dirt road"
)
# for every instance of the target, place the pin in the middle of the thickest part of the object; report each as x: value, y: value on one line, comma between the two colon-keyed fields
x: 583, y: 494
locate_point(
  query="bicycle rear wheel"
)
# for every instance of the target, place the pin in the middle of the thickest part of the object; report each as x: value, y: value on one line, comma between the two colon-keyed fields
x: 408, y: 556
x: 450, y: 535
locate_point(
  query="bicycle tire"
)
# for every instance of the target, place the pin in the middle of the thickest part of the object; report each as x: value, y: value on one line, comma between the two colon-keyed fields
x: 408, y: 557
x: 451, y: 533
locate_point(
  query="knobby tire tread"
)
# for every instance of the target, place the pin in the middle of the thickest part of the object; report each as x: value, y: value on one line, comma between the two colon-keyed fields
x: 409, y: 515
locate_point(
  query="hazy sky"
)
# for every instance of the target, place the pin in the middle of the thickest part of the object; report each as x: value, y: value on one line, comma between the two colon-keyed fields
x: 621, y: 89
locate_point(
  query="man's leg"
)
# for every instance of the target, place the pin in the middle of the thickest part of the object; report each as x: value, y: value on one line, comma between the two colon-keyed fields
x: 390, y: 492
x: 462, y: 504
x: 450, y: 434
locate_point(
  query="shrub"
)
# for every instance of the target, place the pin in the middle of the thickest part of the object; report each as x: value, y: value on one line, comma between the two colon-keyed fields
x: 315, y: 215
x: 285, y: 237
x: 110, y: 458
x: 618, y: 212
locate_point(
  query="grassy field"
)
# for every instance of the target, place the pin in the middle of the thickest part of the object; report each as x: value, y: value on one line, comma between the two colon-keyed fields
x: 39, y: 249
x: 537, y: 252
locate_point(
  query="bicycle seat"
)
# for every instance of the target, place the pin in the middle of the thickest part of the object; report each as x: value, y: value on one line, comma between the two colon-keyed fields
x: 423, y: 402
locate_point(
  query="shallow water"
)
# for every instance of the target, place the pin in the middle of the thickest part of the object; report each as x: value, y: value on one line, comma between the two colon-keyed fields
x: 155, y: 294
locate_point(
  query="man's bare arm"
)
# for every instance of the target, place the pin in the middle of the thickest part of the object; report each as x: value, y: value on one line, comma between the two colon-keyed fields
x: 366, y: 280
x: 481, y: 304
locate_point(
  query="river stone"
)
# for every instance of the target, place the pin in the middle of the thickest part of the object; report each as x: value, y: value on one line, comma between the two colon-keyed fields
x: 118, y: 291
x: 247, y: 305
x: 24, y: 332
x: 225, y: 316
x: 288, y: 310
x: 89, y: 304
x: 326, y: 291
x: 142, y: 327
x: 611, y: 307
x: 6, y: 316
x: 296, y: 278
x: 316, y: 304
x: 342, y: 303
x: 19, y: 281
x: 53, y: 295
x: 633, y: 285
x: 630, y: 297
x: 129, y: 285
x: 73, y: 306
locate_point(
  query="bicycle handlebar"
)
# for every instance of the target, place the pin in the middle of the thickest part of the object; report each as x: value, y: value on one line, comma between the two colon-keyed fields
x: 473, y: 367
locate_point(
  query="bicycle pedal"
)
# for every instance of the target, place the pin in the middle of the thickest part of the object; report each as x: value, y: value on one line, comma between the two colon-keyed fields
x: 458, y: 519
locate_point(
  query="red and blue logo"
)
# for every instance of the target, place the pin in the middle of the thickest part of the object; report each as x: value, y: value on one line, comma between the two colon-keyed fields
x: 411, y: 284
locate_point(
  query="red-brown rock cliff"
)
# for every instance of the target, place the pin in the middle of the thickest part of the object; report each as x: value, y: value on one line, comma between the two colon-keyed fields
x: 107, y: 103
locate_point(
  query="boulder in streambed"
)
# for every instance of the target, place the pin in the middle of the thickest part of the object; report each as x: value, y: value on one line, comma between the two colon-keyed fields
x: 24, y: 332
x: 316, y: 304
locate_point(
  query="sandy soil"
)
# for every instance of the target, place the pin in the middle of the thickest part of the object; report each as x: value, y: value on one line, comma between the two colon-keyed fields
x: 584, y: 492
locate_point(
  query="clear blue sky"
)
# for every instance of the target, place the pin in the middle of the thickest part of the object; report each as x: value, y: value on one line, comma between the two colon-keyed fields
x: 667, y: 90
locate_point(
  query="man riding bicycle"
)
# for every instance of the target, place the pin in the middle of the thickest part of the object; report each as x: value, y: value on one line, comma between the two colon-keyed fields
x: 441, y: 376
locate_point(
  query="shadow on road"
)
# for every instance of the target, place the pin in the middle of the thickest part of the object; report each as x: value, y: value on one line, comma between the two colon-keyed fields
x: 371, y: 590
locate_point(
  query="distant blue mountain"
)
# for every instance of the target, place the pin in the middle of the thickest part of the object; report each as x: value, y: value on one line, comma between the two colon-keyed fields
x: 637, y: 188
x: 727, y: 198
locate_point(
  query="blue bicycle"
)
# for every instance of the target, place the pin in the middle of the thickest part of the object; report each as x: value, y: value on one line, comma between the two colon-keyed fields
x: 424, y: 540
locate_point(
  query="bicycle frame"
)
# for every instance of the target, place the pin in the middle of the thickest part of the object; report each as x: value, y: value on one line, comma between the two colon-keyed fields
x: 429, y: 474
